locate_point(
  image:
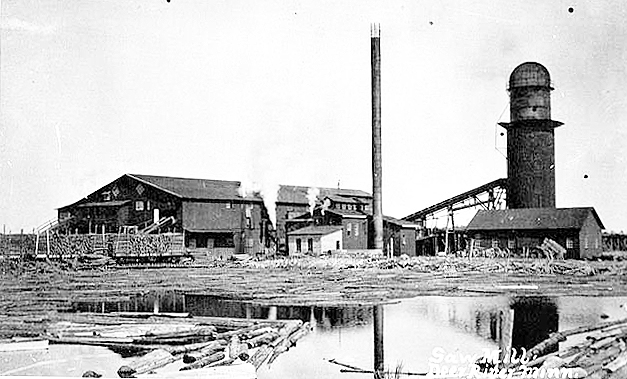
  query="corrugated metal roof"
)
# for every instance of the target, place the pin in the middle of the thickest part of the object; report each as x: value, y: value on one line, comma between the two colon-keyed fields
x: 315, y: 230
x: 532, y: 218
x: 197, y: 188
x: 298, y: 194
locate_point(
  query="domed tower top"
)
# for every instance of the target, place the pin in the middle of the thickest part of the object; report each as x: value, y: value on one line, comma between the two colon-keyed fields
x: 530, y: 74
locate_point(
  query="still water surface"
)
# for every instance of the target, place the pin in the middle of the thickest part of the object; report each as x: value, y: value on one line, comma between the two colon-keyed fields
x: 412, y: 329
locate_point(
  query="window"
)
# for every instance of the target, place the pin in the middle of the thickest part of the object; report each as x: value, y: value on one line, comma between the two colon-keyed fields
x: 310, y: 244
x: 404, y: 240
x: 148, y: 205
x: 356, y: 230
x: 337, y: 245
x: 348, y: 229
x: 140, y: 189
x: 249, y: 223
x: 585, y: 243
x: 570, y: 243
x: 495, y: 242
x: 139, y: 205
x: 596, y: 243
x: 106, y: 196
x: 511, y: 243
x: 229, y: 205
x: 298, y: 245
x: 250, y: 243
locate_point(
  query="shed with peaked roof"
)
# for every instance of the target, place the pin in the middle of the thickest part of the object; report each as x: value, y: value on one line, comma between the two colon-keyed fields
x: 578, y: 230
x: 315, y: 240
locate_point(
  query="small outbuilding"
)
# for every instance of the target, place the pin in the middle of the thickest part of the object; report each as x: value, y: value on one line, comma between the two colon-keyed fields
x: 578, y: 230
x: 315, y: 240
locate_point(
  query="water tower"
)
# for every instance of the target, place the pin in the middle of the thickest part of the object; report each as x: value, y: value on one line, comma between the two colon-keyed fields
x: 530, y: 139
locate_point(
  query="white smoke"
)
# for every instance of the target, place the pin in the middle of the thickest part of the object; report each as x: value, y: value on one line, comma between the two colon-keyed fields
x: 312, y: 197
x: 268, y: 191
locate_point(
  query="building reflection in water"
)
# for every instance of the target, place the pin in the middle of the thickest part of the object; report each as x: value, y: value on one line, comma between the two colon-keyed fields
x: 322, y: 317
x: 516, y: 321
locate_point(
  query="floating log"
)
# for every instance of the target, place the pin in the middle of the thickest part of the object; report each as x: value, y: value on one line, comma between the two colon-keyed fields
x: 183, y: 349
x: 207, y: 330
x: 617, y: 363
x: 206, y: 351
x: 153, y: 360
x: 237, y: 349
x: 288, y: 341
x: 263, y: 339
x: 260, y: 356
x: 23, y: 344
x: 238, y: 331
x: 555, y: 338
x: 172, y: 341
x: 218, y: 356
x: 300, y: 333
x: 258, y: 332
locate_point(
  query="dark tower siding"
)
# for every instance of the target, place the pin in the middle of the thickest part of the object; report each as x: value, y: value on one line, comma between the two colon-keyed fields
x: 531, y: 168
x: 530, y: 139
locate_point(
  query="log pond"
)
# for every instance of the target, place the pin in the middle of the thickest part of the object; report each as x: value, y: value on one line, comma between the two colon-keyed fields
x: 414, y: 330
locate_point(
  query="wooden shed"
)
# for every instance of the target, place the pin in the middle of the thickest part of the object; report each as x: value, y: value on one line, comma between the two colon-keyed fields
x: 578, y: 230
x: 315, y: 240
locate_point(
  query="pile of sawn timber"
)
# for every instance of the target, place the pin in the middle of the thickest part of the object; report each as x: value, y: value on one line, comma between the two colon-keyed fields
x: 596, y: 352
x: 197, y: 341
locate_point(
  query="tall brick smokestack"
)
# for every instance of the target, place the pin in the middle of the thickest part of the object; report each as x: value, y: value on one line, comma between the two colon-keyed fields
x: 375, y: 34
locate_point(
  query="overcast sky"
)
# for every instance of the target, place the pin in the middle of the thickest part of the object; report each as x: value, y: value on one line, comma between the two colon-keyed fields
x: 279, y: 92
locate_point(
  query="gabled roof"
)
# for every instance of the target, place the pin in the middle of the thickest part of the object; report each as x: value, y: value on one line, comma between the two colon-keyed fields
x: 315, y: 230
x: 197, y: 189
x: 532, y: 218
x: 298, y: 194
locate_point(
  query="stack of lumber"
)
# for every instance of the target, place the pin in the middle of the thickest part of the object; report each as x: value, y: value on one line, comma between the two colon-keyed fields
x: 552, y: 249
x: 600, y: 353
x: 197, y: 342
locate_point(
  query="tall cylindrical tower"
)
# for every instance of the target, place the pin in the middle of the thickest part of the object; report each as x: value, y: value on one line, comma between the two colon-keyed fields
x: 530, y: 139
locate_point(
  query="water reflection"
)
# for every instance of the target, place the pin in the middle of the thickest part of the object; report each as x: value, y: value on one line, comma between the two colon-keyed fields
x: 319, y: 316
x: 410, y: 329
x: 514, y: 322
x: 155, y: 301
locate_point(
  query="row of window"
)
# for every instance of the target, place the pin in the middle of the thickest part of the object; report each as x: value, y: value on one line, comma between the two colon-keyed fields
x: 570, y: 243
x: 352, y: 228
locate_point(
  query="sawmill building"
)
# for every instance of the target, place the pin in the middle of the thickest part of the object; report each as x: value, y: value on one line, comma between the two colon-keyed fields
x: 211, y: 213
x: 578, y: 230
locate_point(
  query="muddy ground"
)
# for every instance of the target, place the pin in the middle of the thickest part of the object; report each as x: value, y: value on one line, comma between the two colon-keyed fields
x: 34, y: 294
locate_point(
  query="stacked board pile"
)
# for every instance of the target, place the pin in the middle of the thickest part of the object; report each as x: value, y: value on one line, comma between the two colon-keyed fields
x: 197, y: 342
